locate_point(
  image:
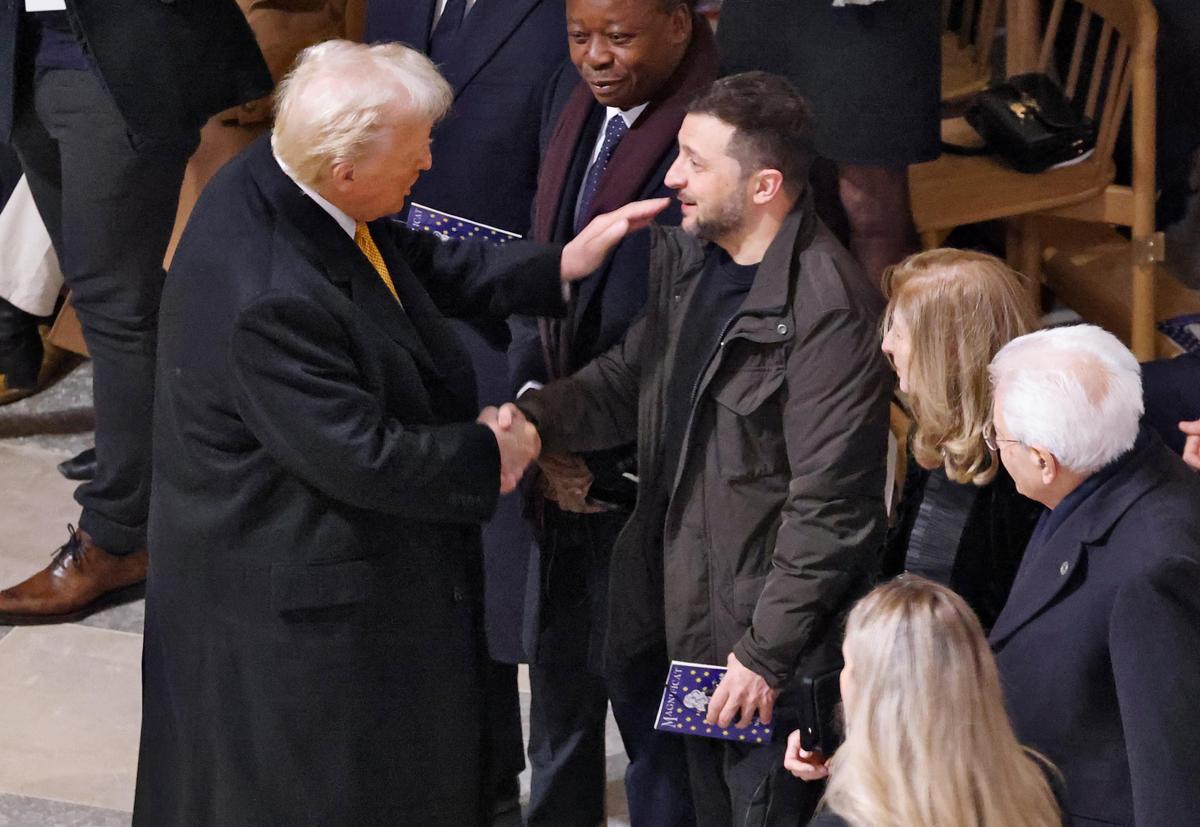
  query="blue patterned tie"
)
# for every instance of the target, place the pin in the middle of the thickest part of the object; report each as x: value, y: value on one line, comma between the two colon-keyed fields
x: 445, y: 32
x: 612, y: 136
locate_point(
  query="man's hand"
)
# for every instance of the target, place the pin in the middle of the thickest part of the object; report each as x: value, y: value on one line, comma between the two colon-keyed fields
x: 1191, y: 448
x: 586, y: 252
x: 517, y: 439
x: 567, y: 482
x: 741, y: 690
x: 805, y: 765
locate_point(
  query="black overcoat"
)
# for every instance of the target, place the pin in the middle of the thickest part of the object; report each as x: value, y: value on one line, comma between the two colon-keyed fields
x: 312, y: 614
x: 1097, y: 645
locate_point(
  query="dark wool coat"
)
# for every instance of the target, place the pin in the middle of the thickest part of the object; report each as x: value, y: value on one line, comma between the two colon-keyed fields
x: 1097, y: 645
x: 312, y: 615
x: 770, y: 527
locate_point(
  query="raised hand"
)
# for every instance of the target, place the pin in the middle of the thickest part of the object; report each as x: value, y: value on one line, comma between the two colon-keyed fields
x: 586, y: 252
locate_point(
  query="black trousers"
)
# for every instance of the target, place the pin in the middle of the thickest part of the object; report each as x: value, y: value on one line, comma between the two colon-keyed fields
x: 108, y: 199
x: 569, y: 700
x: 735, y: 785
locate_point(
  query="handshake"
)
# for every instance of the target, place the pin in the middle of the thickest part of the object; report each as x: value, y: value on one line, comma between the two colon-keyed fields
x: 517, y: 439
x: 565, y: 478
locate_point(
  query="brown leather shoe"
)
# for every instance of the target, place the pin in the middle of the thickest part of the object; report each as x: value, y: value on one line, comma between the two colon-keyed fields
x: 80, y: 579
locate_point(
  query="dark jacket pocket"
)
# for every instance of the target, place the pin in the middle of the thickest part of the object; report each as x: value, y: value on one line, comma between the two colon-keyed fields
x: 749, y: 425
x: 299, y: 587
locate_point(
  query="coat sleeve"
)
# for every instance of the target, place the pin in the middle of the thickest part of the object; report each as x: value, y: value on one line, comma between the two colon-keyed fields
x: 467, y: 278
x: 1154, y: 635
x: 597, y: 406
x: 298, y: 390
x: 835, y: 423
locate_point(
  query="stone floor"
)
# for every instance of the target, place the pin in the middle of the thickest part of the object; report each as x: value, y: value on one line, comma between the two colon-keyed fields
x: 70, y: 703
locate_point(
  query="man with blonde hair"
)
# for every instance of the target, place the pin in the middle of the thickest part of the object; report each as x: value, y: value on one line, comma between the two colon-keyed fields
x: 1097, y: 644
x: 313, y: 650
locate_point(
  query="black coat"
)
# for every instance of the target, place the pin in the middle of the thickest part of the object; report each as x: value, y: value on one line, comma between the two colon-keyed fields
x: 168, y: 65
x: 1097, y: 646
x: 509, y: 50
x: 312, y: 632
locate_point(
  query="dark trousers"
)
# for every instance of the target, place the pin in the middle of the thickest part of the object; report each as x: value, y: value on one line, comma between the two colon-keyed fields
x: 734, y: 785
x: 108, y: 200
x: 569, y: 700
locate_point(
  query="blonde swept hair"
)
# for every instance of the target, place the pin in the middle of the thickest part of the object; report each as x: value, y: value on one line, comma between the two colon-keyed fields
x: 928, y: 741
x: 961, y: 307
x: 340, y: 97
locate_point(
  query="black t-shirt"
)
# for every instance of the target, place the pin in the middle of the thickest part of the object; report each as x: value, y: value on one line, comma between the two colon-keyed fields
x: 722, y: 288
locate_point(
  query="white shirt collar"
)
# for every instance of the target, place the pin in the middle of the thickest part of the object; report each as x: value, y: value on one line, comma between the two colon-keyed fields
x: 630, y: 115
x: 344, y: 221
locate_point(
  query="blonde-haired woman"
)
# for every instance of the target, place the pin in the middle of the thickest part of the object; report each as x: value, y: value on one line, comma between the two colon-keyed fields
x: 928, y: 742
x: 960, y: 520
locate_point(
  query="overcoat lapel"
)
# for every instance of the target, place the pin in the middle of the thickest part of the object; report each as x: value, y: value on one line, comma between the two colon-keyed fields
x: 1048, y: 568
x: 332, y: 252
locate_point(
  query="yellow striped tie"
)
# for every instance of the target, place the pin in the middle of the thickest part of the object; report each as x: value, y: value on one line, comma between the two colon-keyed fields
x: 362, y: 237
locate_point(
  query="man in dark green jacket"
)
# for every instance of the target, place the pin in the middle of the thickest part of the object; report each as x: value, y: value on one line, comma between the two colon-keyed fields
x: 757, y: 393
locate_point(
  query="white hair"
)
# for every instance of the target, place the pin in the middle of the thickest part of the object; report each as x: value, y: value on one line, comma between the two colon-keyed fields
x: 340, y: 96
x: 1075, y: 391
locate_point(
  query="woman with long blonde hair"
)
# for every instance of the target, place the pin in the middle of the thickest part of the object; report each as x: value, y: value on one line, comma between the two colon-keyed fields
x: 960, y: 520
x: 928, y: 742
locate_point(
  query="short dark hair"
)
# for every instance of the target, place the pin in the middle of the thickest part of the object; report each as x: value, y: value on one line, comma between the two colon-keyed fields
x: 772, y: 121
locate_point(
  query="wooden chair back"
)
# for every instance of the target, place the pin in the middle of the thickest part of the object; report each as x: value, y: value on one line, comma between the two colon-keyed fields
x: 968, y: 35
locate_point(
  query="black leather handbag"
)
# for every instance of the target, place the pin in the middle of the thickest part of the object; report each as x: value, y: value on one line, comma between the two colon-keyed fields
x: 1030, y: 124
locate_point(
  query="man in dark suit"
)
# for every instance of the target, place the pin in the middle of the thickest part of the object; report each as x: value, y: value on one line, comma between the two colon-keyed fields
x: 1097, y: 644
x: 608, y: 137
x: 313, y: 647
x: 104, y: 116
x: 499, y: 56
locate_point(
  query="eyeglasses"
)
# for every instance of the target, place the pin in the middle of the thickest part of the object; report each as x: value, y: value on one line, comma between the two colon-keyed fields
x: 992, y: 441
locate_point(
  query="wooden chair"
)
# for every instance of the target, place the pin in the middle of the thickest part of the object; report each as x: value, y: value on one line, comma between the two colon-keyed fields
x: 956, y: 190
x: 968, y: 31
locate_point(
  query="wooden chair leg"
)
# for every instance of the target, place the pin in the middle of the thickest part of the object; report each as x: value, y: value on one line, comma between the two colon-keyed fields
x: 1141, y: 321
x: 1024, y: 252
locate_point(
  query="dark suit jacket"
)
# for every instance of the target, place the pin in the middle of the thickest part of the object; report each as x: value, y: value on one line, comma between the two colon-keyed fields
x: 169, y: 64
x: 485, y: 163
x: 312, y: 632
x: 485, y: 153
x: 1097, y: 646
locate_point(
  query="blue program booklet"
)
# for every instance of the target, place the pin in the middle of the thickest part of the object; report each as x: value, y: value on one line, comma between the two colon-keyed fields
x: 1184, y: 331
x: 446, y: 226
x: 686, y: 695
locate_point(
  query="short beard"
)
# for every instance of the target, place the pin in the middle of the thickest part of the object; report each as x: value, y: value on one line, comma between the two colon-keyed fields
x: 727, y: 220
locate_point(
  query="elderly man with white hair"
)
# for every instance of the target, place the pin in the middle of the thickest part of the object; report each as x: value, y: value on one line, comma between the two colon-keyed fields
x: 313, y: 642
x: 1099, y: 644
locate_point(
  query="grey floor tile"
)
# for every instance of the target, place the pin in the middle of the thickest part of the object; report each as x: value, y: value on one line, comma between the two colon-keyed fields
x: 19, y: 811
x: 128, y: 617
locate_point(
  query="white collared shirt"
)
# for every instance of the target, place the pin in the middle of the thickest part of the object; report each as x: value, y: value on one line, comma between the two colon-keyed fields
x: 344, y: 221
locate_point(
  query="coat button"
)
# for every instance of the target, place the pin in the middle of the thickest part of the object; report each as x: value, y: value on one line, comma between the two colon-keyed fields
x: 1064, y: 568
x: 781, y: 329
x: 678, y: 296
x: 459, y: 594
